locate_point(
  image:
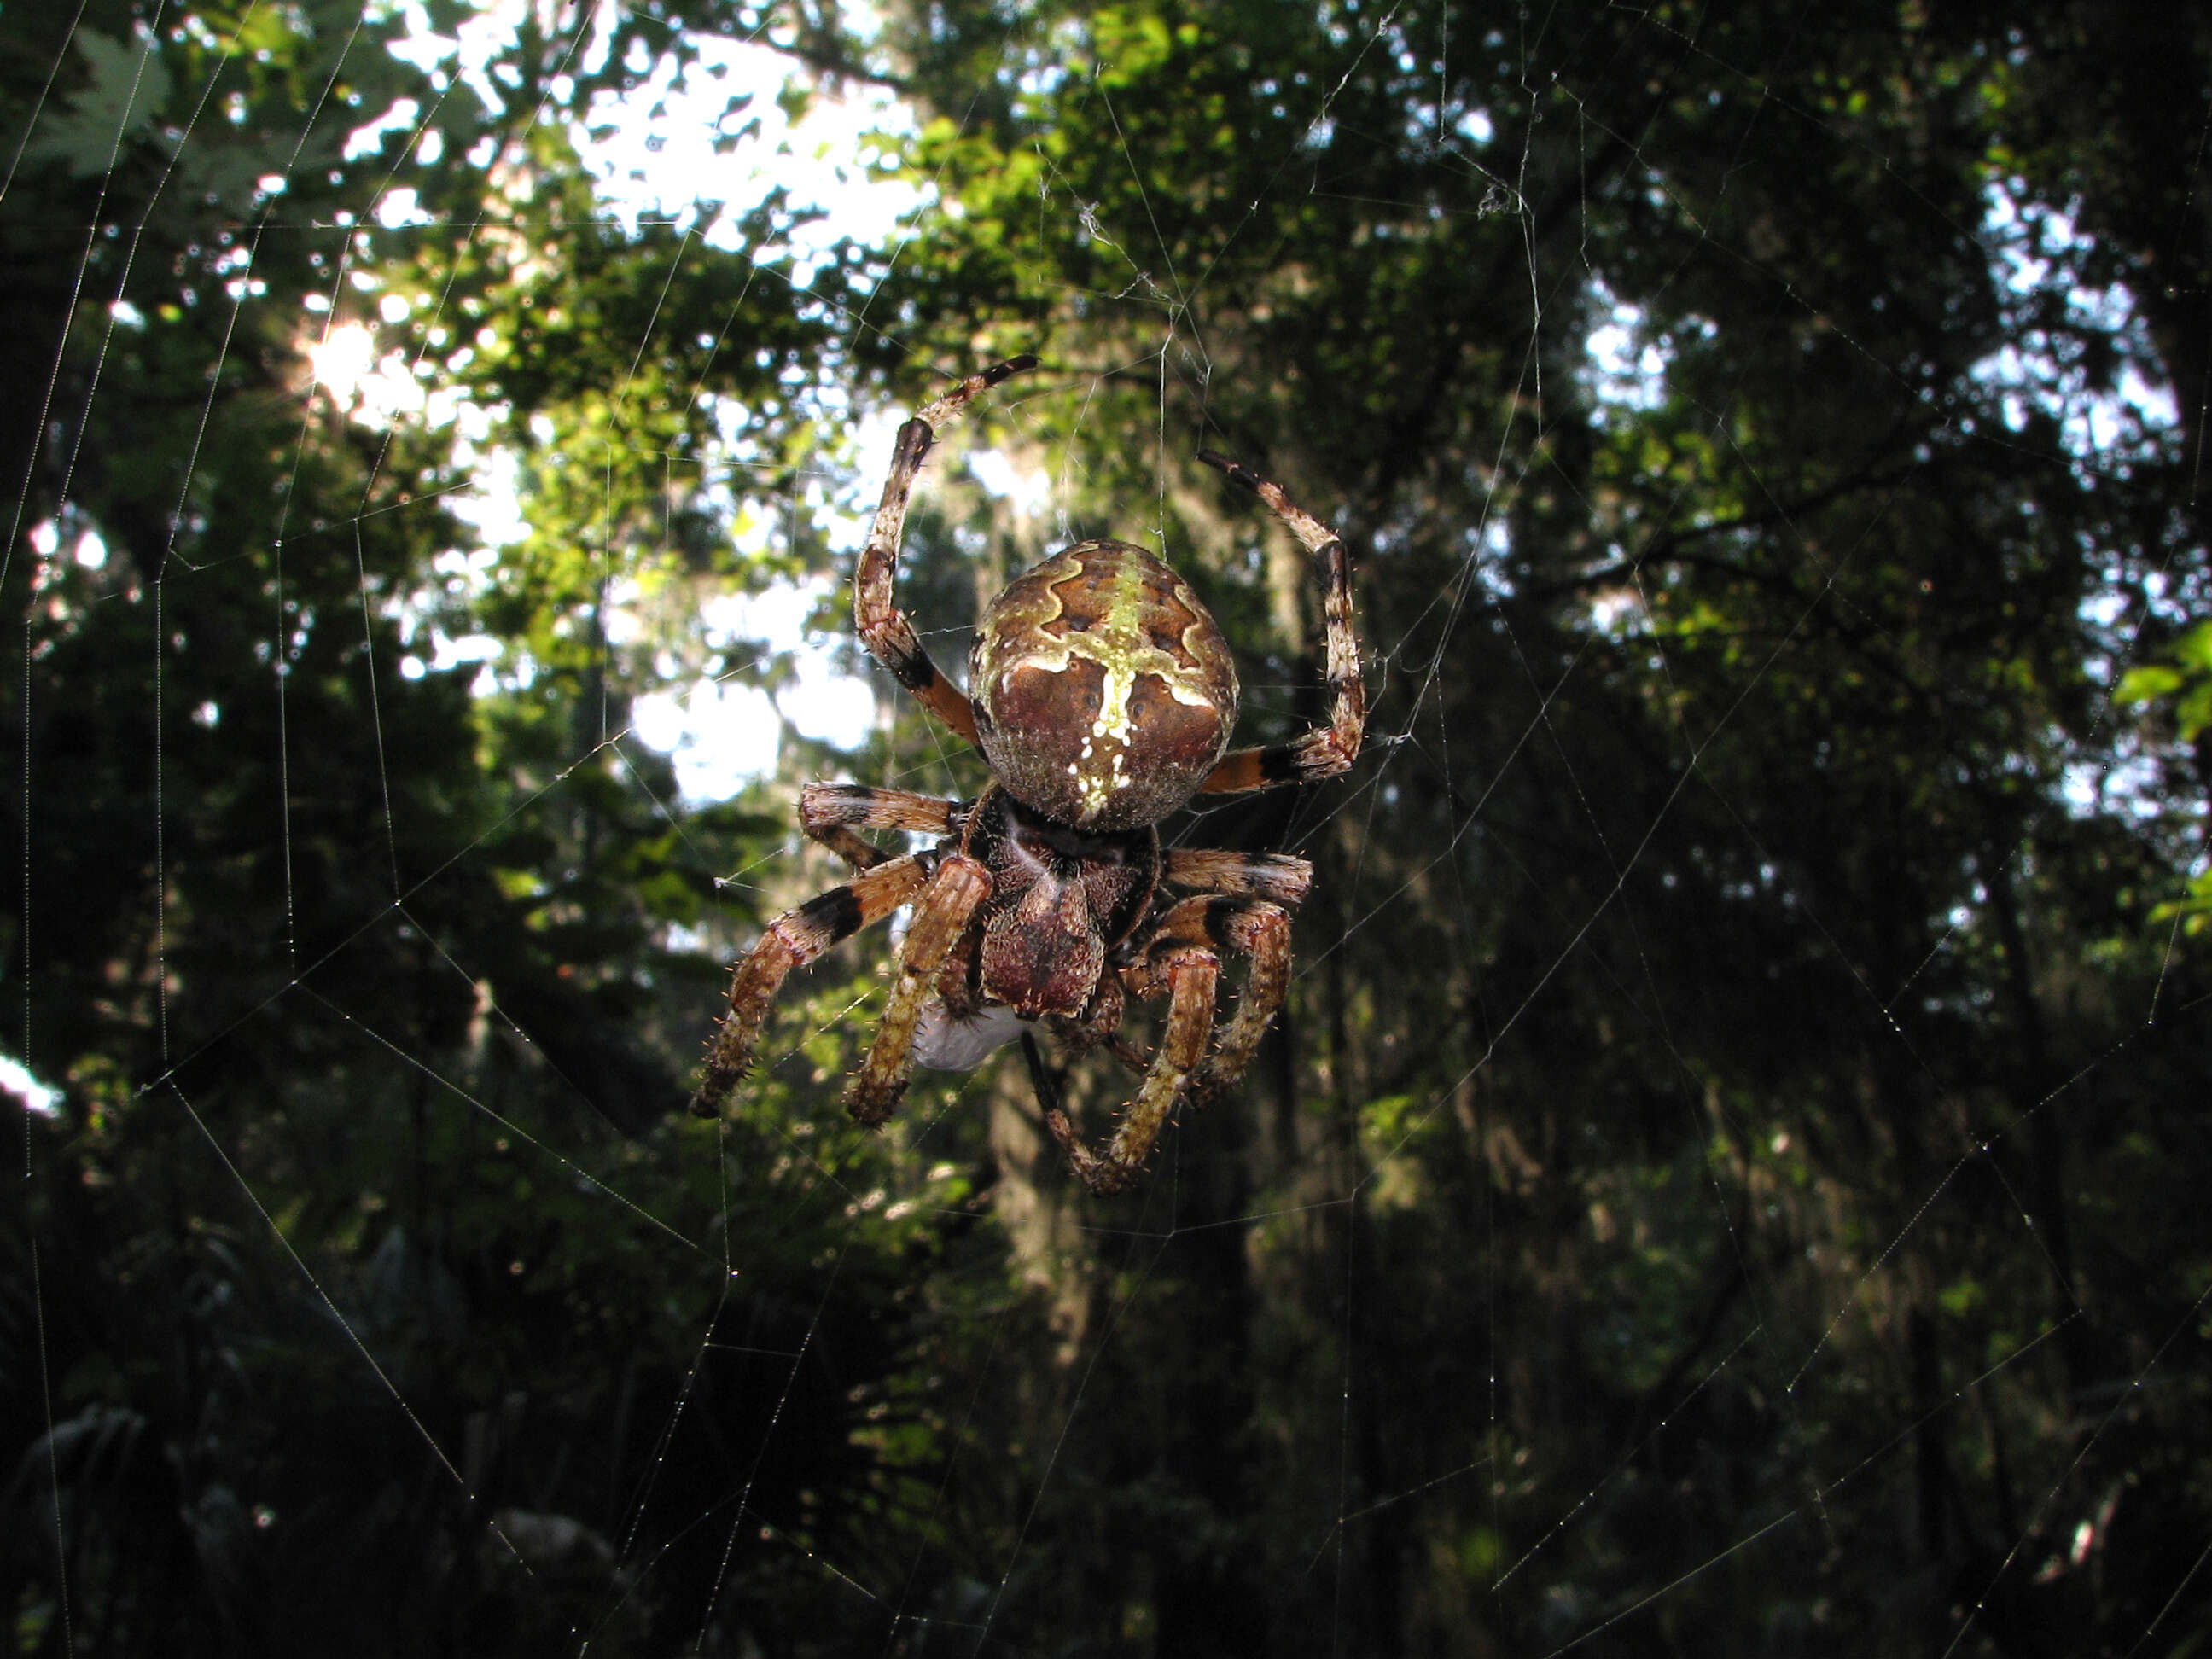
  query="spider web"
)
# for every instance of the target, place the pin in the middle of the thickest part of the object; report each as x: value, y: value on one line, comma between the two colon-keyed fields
x: 719, y: 1517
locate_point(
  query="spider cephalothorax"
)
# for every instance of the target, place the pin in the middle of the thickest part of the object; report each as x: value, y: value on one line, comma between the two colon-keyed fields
x: 1104, y: 699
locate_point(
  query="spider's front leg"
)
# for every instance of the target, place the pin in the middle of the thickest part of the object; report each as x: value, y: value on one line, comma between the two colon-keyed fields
x: 1260, y: 932
x: 1183, y: 960
x: 791, y: 940
x: 942, y: 916
x: 1189, y: 973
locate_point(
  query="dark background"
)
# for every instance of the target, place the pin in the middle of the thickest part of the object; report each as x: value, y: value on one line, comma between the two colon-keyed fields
x: 1730, y: 1177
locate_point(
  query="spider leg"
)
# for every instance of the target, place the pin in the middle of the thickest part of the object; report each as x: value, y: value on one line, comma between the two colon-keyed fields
x: 1183, y: 959
x: 1277, y: 876
x: 827, y: 811
x: 793, y: 939
x: 883, y: 627
x: 1189, y: 973
x: 1260, y: 932
x: 1324, y: 750
x: 939, y: 919
x: 1043, y: 1083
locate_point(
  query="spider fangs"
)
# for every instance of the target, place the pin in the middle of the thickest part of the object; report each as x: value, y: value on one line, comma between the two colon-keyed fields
x: 1104, y: 699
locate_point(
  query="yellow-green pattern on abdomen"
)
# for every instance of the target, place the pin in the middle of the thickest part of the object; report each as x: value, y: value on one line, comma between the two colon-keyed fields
x: 1104, y: 692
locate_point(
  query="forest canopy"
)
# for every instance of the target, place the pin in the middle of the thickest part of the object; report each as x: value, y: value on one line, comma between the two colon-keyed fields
x: 1725, y: 1177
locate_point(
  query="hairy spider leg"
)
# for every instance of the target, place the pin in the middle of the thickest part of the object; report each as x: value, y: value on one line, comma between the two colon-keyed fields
x: 939, y: 919
x: 1282, y: 876
x: 1325, y: 750
x: 827, y: 812
x: 791, y: 940
x: 1189, y: 973
x: 883, y: 627
x: 1259, y: 931
x: 1200, y: 928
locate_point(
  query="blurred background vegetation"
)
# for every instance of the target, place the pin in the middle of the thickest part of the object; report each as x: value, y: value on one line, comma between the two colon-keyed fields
x: 1726, y: 1180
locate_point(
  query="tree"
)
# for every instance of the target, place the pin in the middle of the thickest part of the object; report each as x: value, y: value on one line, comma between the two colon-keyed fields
x: 1720, y: 945
x: 1725, y: 1179
x: 363, y: 987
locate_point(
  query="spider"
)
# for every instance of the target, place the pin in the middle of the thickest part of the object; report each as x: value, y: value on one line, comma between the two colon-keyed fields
x: 1103, y: 699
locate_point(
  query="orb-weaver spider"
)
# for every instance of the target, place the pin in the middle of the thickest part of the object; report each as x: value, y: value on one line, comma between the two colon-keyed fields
x: 1103, y: 699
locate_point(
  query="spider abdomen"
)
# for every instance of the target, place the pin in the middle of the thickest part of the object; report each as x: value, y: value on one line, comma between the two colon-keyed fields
x: 1104, y: 691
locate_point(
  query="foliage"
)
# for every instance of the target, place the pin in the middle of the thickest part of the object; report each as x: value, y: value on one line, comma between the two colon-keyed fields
x: 1726, y: 1180
x: 366, y: 991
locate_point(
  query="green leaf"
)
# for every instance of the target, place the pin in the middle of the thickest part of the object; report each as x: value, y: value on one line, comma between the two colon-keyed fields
x: 129, y: 83
x: 2146, y: 685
